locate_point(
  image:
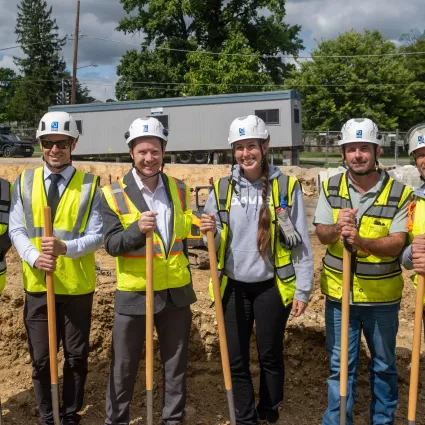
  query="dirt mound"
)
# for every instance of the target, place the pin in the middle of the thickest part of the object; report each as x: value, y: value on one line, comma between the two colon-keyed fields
x: 306, y: 358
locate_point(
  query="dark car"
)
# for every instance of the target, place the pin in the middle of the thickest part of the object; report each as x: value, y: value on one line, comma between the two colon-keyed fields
x: 11, y: 145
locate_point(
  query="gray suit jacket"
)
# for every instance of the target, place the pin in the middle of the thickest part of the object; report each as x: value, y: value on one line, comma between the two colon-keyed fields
x: 119, y: 241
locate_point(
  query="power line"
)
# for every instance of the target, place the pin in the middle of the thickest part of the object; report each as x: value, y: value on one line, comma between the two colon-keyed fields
x: 403, y: 54
x: 397, y: 54
x: 18, y: 46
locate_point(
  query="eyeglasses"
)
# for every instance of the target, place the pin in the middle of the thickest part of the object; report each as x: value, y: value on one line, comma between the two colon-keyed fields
x: 60, y: 144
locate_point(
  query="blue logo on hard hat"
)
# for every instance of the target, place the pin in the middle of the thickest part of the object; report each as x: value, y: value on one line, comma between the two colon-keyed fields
x: 54, y: 126
x: 145, y: 128
x: 421, y: 140
x: 359, y: 134
x: 241, y: 132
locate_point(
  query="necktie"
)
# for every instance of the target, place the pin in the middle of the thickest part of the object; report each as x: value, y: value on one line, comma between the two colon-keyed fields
x: 53, y: 195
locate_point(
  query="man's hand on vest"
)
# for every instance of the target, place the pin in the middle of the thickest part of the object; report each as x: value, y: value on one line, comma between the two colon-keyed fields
x: 46, y: 263
x: 347, y: 217
x: 147, y: 221
x: 418, y: 254
x: 53, y: 246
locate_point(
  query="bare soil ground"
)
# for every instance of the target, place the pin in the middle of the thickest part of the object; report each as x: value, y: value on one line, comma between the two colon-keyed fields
x: 306, y: 358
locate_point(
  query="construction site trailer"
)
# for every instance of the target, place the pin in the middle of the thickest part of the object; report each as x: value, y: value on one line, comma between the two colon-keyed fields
x: 198, y: 126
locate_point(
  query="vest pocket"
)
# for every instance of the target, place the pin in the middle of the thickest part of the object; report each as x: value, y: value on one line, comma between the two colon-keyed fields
x: 377, y: 230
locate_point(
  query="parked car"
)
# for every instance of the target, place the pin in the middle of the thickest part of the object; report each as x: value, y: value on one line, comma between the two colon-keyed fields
x: 11, y: 145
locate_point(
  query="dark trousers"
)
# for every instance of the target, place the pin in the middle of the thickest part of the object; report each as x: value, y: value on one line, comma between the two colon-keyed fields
x: 243, y: 304
x: 73, y: 320
x: 173, y: 327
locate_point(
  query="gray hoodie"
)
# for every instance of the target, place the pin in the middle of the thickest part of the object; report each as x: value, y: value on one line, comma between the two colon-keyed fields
x: 243, y: 261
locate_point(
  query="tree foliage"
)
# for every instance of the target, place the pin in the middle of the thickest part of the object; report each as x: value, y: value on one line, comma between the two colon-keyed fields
x: 8, y: 79
x: 255, y: 27
x: 336, y: 89
x: 42, y: 68
x: 414, y: 42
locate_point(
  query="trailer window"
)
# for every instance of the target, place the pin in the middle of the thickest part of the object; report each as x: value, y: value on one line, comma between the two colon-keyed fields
x: 296, y: 115
x: 79, y: 126
x: 269, y: 116
x: 163, y: 119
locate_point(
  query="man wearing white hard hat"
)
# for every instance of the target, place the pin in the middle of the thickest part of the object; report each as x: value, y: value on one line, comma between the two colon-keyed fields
x: 146, y: 199
x: 414, y: 255
x: 365, y: 210
x: 69, y: 254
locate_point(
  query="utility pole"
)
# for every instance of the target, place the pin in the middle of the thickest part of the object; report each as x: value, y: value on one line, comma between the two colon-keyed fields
x: 74, y: 68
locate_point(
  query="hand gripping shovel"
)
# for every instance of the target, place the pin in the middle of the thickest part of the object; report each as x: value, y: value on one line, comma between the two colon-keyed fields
x: 221, y: 329
x: 149, y: 327
x: 416, y: 352
x: 345, y: 320
x: 51, y: 319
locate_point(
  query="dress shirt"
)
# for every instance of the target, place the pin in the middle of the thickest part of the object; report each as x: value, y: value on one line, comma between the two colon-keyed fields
x: 158, y: 202
x: 75, y: 248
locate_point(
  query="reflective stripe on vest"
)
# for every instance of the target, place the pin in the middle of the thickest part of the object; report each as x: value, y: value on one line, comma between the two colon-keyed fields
x: 181, y: 189
x: 27, y: 201
x: 4, y: 201
x: 374, y: 270
x: 119, y: 198
x: 285, y: 272
x: 176, y: 249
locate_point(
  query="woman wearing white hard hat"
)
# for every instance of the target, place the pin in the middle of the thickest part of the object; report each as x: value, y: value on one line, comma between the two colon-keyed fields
x: 265, y: 261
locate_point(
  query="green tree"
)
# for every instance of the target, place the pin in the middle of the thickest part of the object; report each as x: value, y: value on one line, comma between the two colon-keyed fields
x: 256, y: 26
x: 8, y: 79
x: 42, y: 68
x: 226, y: 72
x: 335, y: 89
x: 414, y: 42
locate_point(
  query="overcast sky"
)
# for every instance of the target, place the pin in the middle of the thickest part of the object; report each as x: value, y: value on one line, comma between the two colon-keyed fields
x: 320, y: 19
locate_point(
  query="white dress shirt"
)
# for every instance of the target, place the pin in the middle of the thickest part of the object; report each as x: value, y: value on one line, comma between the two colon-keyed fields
x: 158, y: 202
x: 76, y: 248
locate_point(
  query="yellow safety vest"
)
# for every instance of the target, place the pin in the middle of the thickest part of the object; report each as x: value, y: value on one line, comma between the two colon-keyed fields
x: 72, y: 276
x: 285, y: 273
x: 170, y: 268
x: 375, y: 279
x: 5, y: 196
x: 418, y: 225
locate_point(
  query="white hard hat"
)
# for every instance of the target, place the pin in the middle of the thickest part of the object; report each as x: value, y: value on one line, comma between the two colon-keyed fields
x: 415, y: 138
x: 142, y: 127
x: 249, y: 127
x: 57, y: 123
x: 359, y: 130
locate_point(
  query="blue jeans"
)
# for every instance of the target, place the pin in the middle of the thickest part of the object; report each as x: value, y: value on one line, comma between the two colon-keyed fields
x: 380, y: 326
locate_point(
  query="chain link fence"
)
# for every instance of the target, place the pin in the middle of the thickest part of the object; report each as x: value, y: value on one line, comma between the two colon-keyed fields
x: 326, y: 143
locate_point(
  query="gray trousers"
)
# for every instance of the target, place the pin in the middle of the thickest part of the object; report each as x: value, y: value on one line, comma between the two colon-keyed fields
x: 173, y: 327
